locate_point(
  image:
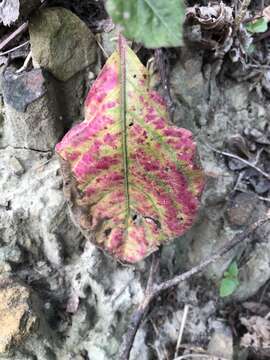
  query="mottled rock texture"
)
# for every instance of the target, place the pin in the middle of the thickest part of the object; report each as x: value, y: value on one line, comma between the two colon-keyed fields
x: 17, y: 316
x: 32, y: 115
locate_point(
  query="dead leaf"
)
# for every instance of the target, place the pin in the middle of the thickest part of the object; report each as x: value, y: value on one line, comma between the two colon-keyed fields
x: 213, y: 17
x: 258, y: 335
x: 216, y: 25
x: 256, y: 308
x: 131, y: 178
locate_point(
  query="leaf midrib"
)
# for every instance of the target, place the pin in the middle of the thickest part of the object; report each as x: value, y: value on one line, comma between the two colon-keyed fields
x: 123, y: 112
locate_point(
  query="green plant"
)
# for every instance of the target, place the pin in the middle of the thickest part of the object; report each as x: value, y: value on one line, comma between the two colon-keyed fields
x: 230, y: 281
x: 258, y: 25
x: 155, y: 23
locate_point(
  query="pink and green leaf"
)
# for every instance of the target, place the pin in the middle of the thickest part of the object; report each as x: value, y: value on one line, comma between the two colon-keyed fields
x: 134, y: 178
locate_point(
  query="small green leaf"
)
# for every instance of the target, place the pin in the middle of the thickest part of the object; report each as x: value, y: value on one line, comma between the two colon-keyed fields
x: 257, y: 26
x: 228, y: 286
x: 155, y: 23
x: 233, y: 270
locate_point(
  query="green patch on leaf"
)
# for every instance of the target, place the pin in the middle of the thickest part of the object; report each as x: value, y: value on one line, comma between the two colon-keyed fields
x: 155, y: 23
x: 257, y: 26
x: 230, y: 281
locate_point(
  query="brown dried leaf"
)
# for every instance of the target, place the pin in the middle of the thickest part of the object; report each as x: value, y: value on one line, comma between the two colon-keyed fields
x: 211, y: 17
x: 258, y: 335
x: 216, y: 24
x: 256, y: 308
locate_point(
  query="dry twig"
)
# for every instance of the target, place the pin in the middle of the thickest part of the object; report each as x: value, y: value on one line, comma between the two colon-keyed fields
x: 199, y: 356
x: 154, y: 290
x: 137, y: 316
x: 15, y: 48
x: 25, y: 64
x: 21, y: 29
x: 241, y: 14
x: 246, y: 162
x: 181, y: 331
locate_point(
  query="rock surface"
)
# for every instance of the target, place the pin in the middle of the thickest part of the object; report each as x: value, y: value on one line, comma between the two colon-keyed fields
x: 9, y: 11
x: 32, y: 116
x: 221, y: 343
x: 61, y: 43
x: 17, y: 317
x: 216, y: 112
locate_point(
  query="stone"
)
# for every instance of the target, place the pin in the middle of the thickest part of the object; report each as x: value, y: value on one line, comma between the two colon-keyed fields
x: 187, y: 85
x: 16, y: 166
x: 221, y: 342
x: 109, y: 42
x: 61, y: 42
x: 17, y: 317
x: 33, y: 217
x: 241, y: 207
x: 4, y: 267
x: 10, y: 253
x: 9, y: 11
x: 32, y: 115
x: 22, y: 89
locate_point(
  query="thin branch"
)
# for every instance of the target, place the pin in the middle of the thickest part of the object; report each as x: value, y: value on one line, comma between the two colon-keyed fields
x: 15, y: 48
x: 154, y: 290
x: 181, y: 331
x: 264, y: 198
x: 138, y: 314
x: 241, y: 14
x: 237, y: 239
x: 21, y: 29
x: 25, y: 64
x: 200, y: 356
x: 246, y: 162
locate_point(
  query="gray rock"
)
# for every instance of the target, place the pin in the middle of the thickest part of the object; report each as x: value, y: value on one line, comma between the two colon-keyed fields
x: 32, y: 117
x: 9, y: 11
x: 109, y: 42
x: 241, y: 208
x: 215, y: 112
x: 255, y: 271
x: 10, y: 253
x: 168, y: 318
x: 188, y: 89
x: 33, y: 212
x: 61, y: 42
x: 71, y: 96
x: 20, y: 90
x: 221, y: 343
